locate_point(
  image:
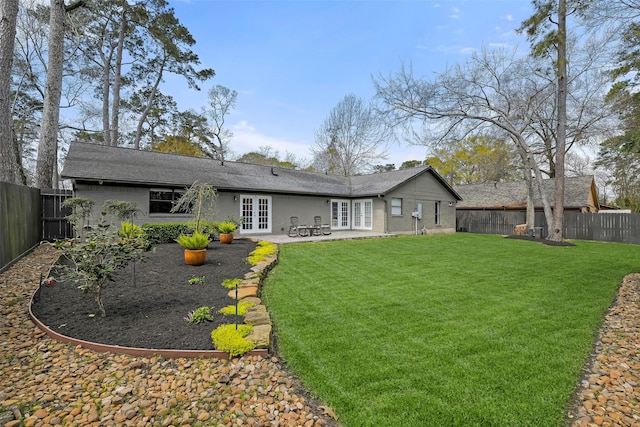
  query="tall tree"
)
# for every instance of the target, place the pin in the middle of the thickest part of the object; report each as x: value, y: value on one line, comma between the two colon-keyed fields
x: 494, y: 92
x: 351, y: 140
x: 221, y: 101
x: 9, y: 156
x: 46, y: 166
x: 547, y: 29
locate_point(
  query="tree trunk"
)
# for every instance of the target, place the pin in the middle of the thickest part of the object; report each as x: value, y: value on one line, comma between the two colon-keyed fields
x: 150, y: 100
x: 555, y: 233
x: 106, y: 86
x: 117, y: 82
x: 9, y: 162
x: 48, y: 146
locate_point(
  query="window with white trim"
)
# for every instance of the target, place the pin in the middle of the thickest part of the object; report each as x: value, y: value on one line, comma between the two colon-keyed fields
x: 437, y: 213
x: 396, y: 207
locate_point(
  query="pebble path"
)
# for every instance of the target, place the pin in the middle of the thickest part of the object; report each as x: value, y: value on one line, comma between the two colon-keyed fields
x: 47, y: 383
x: 609, y: 392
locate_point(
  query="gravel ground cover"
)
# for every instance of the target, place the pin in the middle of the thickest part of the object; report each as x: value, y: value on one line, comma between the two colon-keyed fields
x: 47, y: 383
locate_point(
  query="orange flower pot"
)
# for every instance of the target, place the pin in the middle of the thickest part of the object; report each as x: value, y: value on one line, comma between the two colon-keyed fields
x: 226, y: 237
x: 195, y: 256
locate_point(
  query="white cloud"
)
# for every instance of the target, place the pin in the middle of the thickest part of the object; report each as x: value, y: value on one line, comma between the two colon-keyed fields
x: 246, y: 139
x: 467, y: 50
x: 508, y: 17
x: 500, y: 45
x: 454, y: 13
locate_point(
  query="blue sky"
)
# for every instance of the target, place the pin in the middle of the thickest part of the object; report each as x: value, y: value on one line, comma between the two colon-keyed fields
x: 292, y: 61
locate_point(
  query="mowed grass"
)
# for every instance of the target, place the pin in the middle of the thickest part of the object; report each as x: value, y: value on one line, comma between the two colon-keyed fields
x: 451, y: 330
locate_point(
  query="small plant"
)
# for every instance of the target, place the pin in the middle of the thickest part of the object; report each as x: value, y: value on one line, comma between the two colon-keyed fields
x: 196, y: 281
x: 231, y: 283
x: 228, y: 338
x: 226, y: 227
x: 196, y: 241
x: 263, y: 250
x: 130, y: 230
x: 199, y: 315
x: 230, y: 310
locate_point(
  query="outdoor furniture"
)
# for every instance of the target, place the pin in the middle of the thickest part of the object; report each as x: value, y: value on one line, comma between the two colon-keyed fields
x: 296, y: 229
x: 320, y: 228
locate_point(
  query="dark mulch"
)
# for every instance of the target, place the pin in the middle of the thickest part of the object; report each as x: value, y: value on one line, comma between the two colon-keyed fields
x: 149, y: 312
x: 544, y: 241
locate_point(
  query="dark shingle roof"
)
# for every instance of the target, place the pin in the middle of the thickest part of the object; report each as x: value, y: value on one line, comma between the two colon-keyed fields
x: 514, y: 194
x: 93, y: 162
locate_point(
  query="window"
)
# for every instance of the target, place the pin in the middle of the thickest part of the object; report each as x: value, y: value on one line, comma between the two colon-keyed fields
x: 437, y: 212
x: 396, y: 207
x: 162, y: 200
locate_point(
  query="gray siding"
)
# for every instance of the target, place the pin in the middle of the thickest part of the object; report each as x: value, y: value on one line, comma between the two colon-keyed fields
x: 426, y: 190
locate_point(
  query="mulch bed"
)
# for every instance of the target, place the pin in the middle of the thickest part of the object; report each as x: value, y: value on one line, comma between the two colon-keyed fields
x: 147, y: 303
x: 544, y: 241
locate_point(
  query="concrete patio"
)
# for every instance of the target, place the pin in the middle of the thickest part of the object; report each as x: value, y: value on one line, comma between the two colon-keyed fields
x: 335, y: 235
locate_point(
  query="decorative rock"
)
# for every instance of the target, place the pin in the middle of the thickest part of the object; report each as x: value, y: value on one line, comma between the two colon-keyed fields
x: 249, y: 291
x: 255, y: 318
x: 254, y: 300
x: 258, y: 307
x: 261, y: 336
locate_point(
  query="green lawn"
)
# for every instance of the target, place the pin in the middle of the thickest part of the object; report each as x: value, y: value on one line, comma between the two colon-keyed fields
x: 452, y: 330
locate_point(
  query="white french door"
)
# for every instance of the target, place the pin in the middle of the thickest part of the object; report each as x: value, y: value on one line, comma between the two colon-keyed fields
x: 363, y: 214
x: 340, y: 215
x: 256, y: 214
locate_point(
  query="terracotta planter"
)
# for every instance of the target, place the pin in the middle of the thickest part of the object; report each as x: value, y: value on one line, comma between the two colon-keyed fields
x: 195, y: 256
x: 226, y: 237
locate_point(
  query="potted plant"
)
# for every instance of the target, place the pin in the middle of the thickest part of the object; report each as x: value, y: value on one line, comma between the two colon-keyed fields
x: 226, y: 229
x: 195, y: 247
x: 199, y: 201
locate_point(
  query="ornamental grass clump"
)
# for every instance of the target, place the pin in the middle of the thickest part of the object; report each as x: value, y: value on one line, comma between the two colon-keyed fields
x: 195, y: 241
x: 262, y: 251
x: 231, y: 309
x: 199, y: 315
x: 228, y: 338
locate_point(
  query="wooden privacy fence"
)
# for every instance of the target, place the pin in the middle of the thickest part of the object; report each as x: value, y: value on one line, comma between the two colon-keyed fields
x: 20, y: 226
x: 602, y: 227
x: 28, y: 216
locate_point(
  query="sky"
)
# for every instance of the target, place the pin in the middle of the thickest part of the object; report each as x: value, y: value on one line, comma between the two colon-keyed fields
x: 292, y: 61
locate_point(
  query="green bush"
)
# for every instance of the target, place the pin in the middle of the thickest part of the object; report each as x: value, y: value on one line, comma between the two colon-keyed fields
x: 228, y: 338
x: 230, y: 310
x: 165, y: 232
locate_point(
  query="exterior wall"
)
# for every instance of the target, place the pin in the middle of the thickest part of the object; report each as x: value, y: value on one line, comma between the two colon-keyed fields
x: 426, y: 190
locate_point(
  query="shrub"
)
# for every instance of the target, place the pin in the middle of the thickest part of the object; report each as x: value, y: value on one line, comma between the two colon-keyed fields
x: 230, y: 310
x: 228, y: 338
x: 231, y: 283
x: 165, y: 232
x: 199, y: 315
x: 95, y: 259
x: 263, y: 250
x: 226, y: 227
x: 130, y: 230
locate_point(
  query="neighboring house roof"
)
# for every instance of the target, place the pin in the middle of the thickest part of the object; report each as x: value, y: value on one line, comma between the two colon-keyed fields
x: 94, y: 162
x: 579, y: 192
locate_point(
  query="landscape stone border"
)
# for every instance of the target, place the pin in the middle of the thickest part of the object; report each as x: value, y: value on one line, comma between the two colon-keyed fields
x: 248, y: 290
